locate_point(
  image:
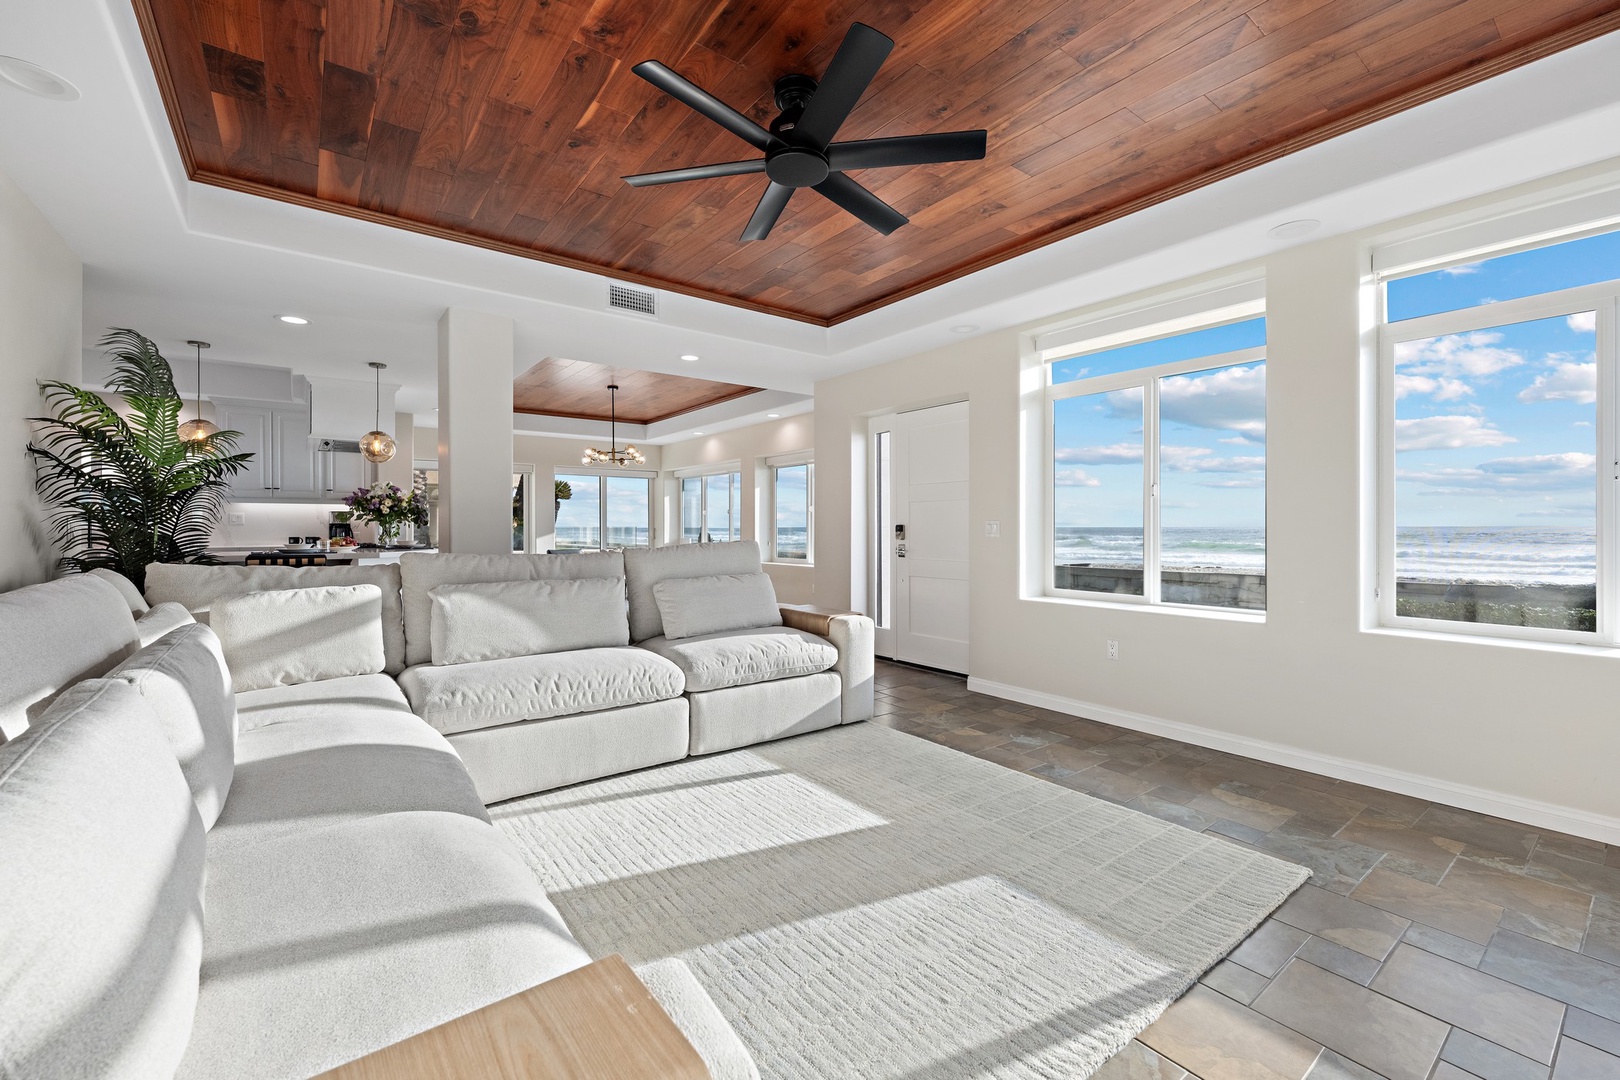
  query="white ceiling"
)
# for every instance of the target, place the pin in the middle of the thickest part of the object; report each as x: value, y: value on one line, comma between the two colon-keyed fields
x: 178, y: 260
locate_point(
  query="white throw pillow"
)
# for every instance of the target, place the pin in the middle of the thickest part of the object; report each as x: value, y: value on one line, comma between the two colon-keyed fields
x: 300, y: 635
x: 710, y: 605
x: 182, y: 675
x: 499, y: 619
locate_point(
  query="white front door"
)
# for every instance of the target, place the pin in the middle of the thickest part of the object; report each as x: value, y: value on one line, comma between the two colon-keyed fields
x: 923, y: 541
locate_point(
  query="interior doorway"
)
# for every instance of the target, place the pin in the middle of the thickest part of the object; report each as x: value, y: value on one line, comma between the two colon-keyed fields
x: 920, y: 539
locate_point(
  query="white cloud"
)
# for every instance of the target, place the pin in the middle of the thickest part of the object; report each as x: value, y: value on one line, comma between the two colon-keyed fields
x: 1567, y: 381
x: 1460, y: 269
x: 1075, y: 478
x: 1117, y: 454
x: 1505, y: 476
x: 1474, y: 355
x: 1442, y: 389
x: 1583, y: 322
x: 1199, y: 459
x: 1257, y: 482
x: 1571, y: 463
x: 1227, y: 399
x: 1447, y: 433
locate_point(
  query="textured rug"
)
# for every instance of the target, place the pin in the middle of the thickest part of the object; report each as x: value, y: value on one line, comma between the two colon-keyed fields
x: 860, y: 902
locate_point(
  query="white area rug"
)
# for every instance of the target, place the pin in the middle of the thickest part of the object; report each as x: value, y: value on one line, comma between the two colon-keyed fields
x: 863, y: 903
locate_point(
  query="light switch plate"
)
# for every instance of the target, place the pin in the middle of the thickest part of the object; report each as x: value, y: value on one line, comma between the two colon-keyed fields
x: 236, y: 519
x: 992, y: 528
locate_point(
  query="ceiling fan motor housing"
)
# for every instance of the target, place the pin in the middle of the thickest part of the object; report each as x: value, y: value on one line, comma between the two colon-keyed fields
x: 794, y: 166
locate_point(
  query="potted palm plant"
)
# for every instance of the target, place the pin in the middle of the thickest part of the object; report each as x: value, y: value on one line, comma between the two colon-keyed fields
x: 122, y: 488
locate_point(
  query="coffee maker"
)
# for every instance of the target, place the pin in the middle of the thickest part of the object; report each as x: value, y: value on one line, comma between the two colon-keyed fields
x: 340, y: 528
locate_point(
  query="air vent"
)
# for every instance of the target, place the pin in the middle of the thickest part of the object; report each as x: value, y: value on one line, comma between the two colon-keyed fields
x: 629, y: 298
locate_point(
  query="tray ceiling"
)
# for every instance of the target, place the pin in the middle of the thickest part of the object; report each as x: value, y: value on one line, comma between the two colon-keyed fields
x: 579, y: 389
x: 508, y: 123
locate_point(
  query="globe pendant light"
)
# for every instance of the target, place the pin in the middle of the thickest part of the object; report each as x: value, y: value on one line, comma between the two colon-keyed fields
x: 613, y: 455
x: 376, y: 445
x: 198, y: 430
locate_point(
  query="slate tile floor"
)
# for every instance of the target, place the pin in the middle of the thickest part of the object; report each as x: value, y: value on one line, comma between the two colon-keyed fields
x: 1431, y: 943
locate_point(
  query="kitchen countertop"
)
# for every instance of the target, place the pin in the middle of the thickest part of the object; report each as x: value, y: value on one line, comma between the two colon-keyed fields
x: 360, y: 556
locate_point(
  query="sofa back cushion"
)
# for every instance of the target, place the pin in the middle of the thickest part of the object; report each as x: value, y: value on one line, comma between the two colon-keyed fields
x: 713, y: 604
x: 100, y: 892
x: 160, y: 619
x: 183, y: 677
x: 495, y: 620
x: 126, y: 588
x: 53, y: 635
x: 421, y: 573
x: 646, y: 567
x: 293, y: 636
x: 200, y: 587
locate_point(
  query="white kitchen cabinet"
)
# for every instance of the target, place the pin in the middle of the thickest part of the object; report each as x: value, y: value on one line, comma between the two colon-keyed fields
x: 341, y: 471
x: 257, y: 438
x: 294, y: 456
x: 285, y: 465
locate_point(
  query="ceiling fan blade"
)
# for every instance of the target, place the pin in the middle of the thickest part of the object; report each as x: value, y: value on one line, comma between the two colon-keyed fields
x: 862, y: 203
x: 771, y: 205
x: 852, y: 70
x: 700, y: 100
x: 907, y: 150
x: 697, y: 172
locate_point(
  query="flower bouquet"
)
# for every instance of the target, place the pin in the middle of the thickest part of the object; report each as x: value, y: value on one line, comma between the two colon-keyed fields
x: 388, y: 508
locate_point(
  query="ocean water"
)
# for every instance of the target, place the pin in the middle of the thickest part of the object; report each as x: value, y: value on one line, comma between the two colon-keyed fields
x: 1517, y: 555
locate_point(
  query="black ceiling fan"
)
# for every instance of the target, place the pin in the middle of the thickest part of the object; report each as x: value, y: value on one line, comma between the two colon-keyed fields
x: 799, y: 151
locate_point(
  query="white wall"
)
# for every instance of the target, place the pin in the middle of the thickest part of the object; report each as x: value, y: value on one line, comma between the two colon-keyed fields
x: 1529, y: 731
x: 795, y: 584
x: 41, y: 316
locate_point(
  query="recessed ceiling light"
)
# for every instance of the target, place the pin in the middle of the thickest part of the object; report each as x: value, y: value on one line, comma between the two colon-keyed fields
x: 965, y: 328
x: 1293, y: 230
x: 36, y: 80
x: 773, y: 415
x: 296, y: 320
x: 689, y: 357
x: 697, y: 432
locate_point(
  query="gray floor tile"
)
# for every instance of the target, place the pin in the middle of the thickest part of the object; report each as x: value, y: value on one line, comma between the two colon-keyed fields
x: 1521, y: 1020
x: 1592, y: 1030
x: 1487, y: 1060
x: 1392, y: 1039
x: 1577, y: 1061
x: 1575, y: 847
x: 1602, y: 940
x: 1317, y: 805
x: 1416, y: 854
x: 1235, y: 981
x: 1235, y: 830
x: 1543, y: 900
x: 1221, y: 802
x: 1331, y: 1066
x: 1215, y: 1038
x: 1269, y: 947
x: 1173, y: 812
x: 1443, y: 944
x: 1343, y: 921
x: 1336, y: 865
x: 1481, y: 830
x: 1545, y: 929
x: 1557, y: 973
x: 1446, y: 909
x: 1447, y: 1071
x: 1575, y: 873
x: 1339, y: 960
x: 1139, y: 1062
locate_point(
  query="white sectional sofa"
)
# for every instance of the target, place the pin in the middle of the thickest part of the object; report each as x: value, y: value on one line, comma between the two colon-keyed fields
x: 205, y: 879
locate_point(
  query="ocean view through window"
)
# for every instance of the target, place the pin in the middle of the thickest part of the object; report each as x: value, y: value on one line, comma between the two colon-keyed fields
x: 1494, y: 375
x: 793, y: 497
x: 1158, y: 469
x: 711, y: 507
x: 603, y: 512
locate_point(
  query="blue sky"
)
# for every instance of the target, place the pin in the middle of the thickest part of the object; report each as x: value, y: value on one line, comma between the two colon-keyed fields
x: 1212, y: 437
x: 1499, y: 426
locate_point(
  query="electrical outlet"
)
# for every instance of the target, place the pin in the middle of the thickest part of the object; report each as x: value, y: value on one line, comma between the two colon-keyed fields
x: 992, y: 528
x: 236, y: 519
x: 1113, y: 649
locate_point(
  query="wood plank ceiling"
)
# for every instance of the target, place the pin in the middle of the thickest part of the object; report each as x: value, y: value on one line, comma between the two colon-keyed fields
x: 509, y: 123
x: 577, y: 388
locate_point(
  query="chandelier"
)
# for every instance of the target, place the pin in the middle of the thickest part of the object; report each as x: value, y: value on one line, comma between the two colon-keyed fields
x: 198, y: 430
x: 613, y: 455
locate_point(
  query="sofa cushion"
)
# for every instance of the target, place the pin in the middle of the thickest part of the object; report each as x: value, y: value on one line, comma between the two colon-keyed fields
x: 711, y: 605
x: 301, y: 635
x: 422, y: 572
x: 495, y: 620
x: 126, y: 588
x: 355, y: 753
x: 461, y: 697
x: 740, y: 657
x: 325, y: 945
x: 53, y: 635
x: 182, y: 675
x: 101, y: 878
x: 199, y: 587
x: 646, y: 567
x: 160, y: 619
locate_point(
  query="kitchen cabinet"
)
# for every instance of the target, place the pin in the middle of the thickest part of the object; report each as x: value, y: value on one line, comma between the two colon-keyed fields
x: 285, y: 465
x: 342, y: 469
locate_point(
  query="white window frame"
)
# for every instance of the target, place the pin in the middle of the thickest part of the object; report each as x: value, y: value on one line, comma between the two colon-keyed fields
x: 601, y: 502
x: 733, y: 468
x: 1604, y: 298
x: 1148, y: 380
x: 789, y: 461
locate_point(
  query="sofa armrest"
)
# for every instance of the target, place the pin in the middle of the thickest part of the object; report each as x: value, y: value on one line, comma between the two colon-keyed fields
x: 854, y: 637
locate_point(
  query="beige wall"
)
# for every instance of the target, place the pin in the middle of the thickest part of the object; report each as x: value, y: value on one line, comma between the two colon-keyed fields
x: 1529, y: 731
x: 749, y: 447
x: 41, y: 313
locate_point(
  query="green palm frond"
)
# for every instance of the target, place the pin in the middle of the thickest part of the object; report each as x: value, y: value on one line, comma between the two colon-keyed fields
x: 123, y: 489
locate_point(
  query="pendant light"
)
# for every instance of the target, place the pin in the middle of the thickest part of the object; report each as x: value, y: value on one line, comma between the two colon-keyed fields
x: 198, y: 430
x: 613, y: 455
x: 377, y: 445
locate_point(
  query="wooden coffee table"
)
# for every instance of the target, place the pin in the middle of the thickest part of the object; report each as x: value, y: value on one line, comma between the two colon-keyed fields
x: 595, y: 1023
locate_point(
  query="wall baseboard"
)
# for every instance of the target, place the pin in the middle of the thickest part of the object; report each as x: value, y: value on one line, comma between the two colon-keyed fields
x: 1565, y: 819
